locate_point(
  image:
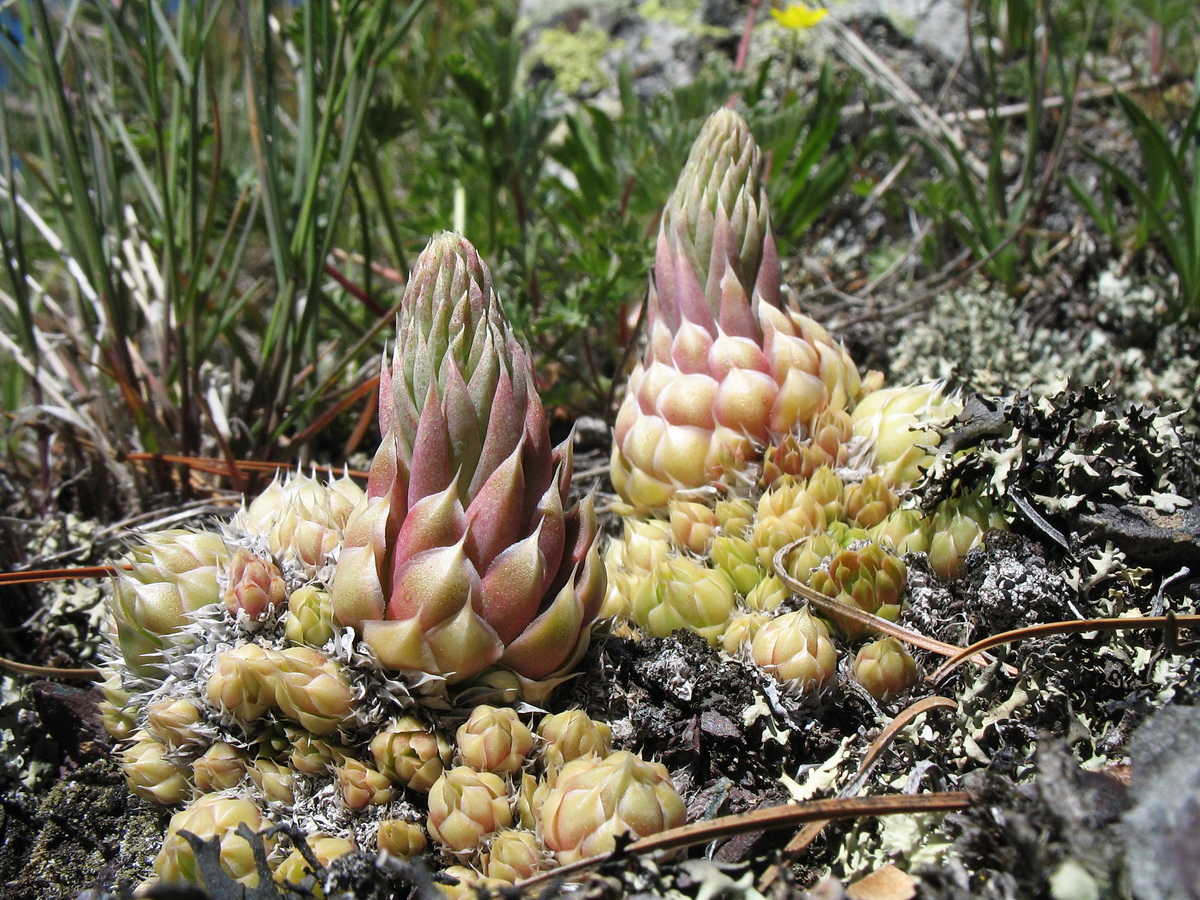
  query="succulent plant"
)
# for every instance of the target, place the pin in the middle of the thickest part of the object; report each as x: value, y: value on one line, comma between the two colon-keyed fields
x: 726, y: 370
x: 273, y: 781
x: 255, y: 585
x: 360, y: 785
x: 494, y: 740
x: 958, y: 526
x: 466, y: 806
x: 151, y: 773
x: 325, y: 849
x: 303, y: 684
x: 884, y: 667
x: 221, y: 767
x: 410, y: 753
x: 310, y: 616
x: 401, y: 838
x: 898, y: 422
x: 741, y: 631
x: 514, y: 855
x: 176, y: 721
x: 465, y: 552
x: 595, y: 799
x: 796, y: 648
x: 866, y: 576
x: 212, y: 816
x: 169, y: 575
x: 570, y: 735
x: 682, y: 593
x: 302, y: 518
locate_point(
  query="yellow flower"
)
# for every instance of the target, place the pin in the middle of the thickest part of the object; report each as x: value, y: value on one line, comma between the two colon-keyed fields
x: 799, y: 16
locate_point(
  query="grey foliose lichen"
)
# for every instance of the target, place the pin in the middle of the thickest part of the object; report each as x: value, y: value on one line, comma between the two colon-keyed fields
x: 981, y: 340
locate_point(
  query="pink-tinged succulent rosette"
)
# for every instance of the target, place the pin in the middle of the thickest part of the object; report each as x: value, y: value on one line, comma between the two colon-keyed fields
x: 726, y: 370
x: 466, y: 551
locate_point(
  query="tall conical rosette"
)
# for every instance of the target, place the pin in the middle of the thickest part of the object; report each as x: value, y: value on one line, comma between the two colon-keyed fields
x: 466, y: 553
x: 726, y: 370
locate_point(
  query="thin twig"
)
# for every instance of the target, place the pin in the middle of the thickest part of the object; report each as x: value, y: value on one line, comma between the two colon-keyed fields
x: 796, y: 847
x: 840, y: 610
x: 37, y: 576
x: 83, y: 674
x: 1047, y: 629
x: 786, y: 816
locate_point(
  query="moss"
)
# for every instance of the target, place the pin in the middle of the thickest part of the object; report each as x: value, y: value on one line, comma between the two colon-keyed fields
x: 576, y: 57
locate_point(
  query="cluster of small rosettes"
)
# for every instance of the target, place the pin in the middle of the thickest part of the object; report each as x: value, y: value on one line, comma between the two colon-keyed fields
x: 500, y: 801
x: 245, y: 704
x: 707, y: 563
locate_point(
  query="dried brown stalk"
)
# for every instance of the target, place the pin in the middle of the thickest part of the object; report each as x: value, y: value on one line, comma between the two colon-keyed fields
x: 1073, y: 626
x: 796, y: 847
x: 833, y: 607
x: 785, y: 816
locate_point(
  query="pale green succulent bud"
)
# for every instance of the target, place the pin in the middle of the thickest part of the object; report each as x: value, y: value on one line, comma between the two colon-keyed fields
x: 219, y: 768
x: 151, y: 774
x: 330, y: 502
x: 685, y: 594
x: 786, y: 513
x: 885, y: 668
x: 825, y: 487
x: 865, y: 576
x: 212, y: 816
x: 468, y: 884
x: 494, y: 740
x: 951, y: 539
x: 274, y: 782
x: 310, y: 755
x: 767, y: 594
x: 302, y: 683
x: 693, y: 525
x: 255, y: 585
x: 400, y: 838
x: 647, y: 543
x: 797, y: 650
x: 312, y: 689
x: 595, y: 799
x: 569, y: 735
x: 178, y: 723
x: 529, y: 797
x: 904, y: 531
x: 621, y: 584
x: 310, y: 616
x: 735, y: 516
x: 631, y: 560
x: 466, y: 806
x: 737, y: 558
x: 899, y: 421
x: 466, y: 552
x: 295, y: 868
x: 361, y: 786
x: 513, y: 856
x: 302, y: 518
x: 237, y: 686
x: 411, y: 753
x: 170, y: 575
x: 869, y: 502
x: 808, y: 556
x: 116, y: 714
x: 741, y: 631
